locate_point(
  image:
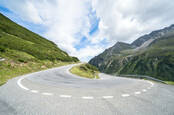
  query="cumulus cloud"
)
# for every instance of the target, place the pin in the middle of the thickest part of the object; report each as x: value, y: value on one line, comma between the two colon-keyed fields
x: 88, y: 52
x: 25, y: 9
x: 71, y: 23
x: 67, y: 22
x: 126, y: 20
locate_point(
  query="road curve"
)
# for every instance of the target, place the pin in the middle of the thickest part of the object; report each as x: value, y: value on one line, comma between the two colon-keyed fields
x: 58, y: 92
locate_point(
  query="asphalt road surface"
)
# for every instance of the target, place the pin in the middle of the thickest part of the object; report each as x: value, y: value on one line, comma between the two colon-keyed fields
x: 58, y: 92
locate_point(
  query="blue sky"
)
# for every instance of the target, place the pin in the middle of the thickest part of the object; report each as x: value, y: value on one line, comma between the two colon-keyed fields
x: 41, y: 29
x: 37, y: 28
x: 85, y: 28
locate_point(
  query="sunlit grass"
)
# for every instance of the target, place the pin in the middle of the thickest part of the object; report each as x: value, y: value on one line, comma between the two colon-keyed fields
x: 26, y: 52
x: 10, y: 69
x: 85, y: 70
x: 169, y: 82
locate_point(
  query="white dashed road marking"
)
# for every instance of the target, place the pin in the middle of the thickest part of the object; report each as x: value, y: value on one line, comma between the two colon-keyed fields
x: 87, y: 97
x: 125, y: 95
x: 137, y: 93
x: 108, y: 97
x: 65, y: 96
x: 84, y: 97
x: 49, y: 94
x: 34, y: 91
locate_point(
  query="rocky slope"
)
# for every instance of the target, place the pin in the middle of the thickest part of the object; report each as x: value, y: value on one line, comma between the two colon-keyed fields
x: 151, y: 54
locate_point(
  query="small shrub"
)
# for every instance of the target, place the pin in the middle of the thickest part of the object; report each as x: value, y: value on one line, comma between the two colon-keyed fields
x: 75, y: 59
x: 91, y: 67
x: 2, y: 49
x: 83, y: 68
x: 22, y: 60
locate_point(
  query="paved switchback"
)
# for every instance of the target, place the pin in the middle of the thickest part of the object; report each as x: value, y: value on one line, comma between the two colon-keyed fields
x: 58, y: 92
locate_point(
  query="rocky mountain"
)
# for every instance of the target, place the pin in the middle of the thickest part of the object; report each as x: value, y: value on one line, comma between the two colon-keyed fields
x: 154, y: 35
x: 104, y: 60
x: 151, y: 54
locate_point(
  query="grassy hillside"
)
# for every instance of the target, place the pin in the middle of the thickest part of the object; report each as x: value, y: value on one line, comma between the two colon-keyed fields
x: 85, y: 70
x: 15, y: 37
x: 25, y: 51
x: 112, y: 55
x: 157, y: 61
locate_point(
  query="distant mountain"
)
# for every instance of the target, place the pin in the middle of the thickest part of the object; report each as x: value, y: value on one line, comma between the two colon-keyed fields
x: 104, y: 60
x: 117, y: 48
x: 154, y: 35
x: 151, y: 54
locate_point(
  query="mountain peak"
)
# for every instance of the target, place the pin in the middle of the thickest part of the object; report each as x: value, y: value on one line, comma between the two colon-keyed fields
x: 121, y: 43
x: 167, y: 31
x: 145, y: 56
x: 117, y: 48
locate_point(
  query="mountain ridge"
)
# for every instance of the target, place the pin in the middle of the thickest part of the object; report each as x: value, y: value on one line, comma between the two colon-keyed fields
x: 153, y: 35
x: 148, y: 54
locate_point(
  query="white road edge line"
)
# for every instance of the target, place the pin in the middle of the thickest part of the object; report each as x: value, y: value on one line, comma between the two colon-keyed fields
x: 20, y: 85
x: 65, y: 96
x: 137, y: 93
x: 87, y: 97
x: 49, y: 94
x: 108, y: 97
x: 151, y: 83
x: 144, y: 90
x: 125, y: 95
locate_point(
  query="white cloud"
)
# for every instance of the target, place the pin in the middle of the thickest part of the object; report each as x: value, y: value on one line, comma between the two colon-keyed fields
x: 24, y: 8
x: 125, y: 20
x: 69, y: 20
x: 66, y: 20
x: 88, y: 52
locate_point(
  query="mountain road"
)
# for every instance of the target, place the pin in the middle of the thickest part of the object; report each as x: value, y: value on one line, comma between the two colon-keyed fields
x: 58, y: 92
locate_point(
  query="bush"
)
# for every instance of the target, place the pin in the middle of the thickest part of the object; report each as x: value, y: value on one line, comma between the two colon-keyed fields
x: 89, y: 66
x: 2, y: 49
x: 75, y: 59
x: 22, y: 60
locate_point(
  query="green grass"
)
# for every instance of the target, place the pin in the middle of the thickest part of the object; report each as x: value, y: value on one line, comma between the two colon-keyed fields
x: 169, y: 82
x: 156, y: 61
x: 16, y: 37
x: 85, y: 70
x: 26, y: 52
x: 10, y: 69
